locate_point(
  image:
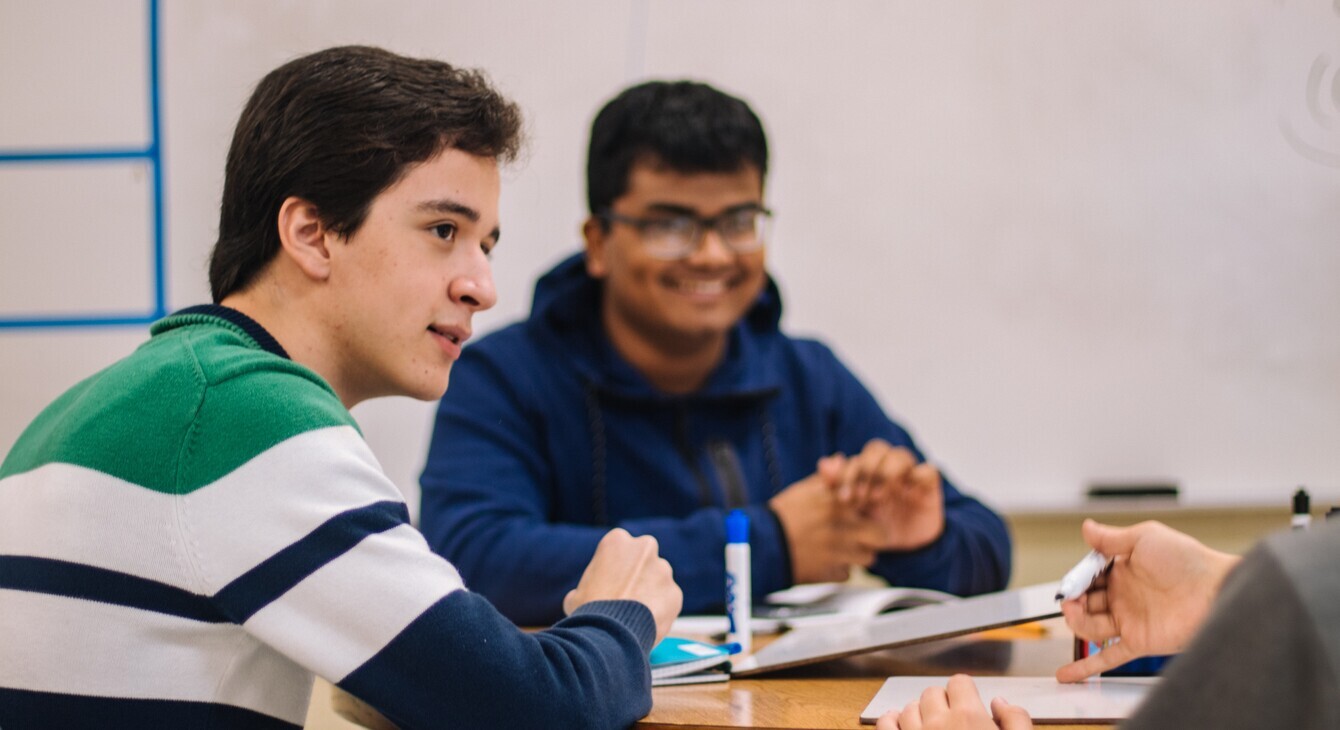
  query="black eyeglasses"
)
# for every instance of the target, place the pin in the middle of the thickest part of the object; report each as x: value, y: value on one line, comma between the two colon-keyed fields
x: 671, y: 237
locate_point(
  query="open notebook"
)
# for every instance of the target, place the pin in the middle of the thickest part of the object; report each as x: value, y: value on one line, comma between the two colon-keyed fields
x: 1099, y: 700
x: 817, y: 604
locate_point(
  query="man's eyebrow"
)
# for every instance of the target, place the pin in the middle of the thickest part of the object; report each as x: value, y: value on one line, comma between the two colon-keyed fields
x: 673, y: 209
x: 445, y: 205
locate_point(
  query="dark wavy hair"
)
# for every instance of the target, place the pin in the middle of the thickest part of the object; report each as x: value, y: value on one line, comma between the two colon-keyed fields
x: 688, y: 126
x: 336, y: 128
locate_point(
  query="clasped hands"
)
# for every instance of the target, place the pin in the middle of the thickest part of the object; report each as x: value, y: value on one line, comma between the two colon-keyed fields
x: 855, y: 507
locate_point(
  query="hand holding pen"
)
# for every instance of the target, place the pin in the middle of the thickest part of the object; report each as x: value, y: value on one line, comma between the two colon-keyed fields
x: 1153, y: 598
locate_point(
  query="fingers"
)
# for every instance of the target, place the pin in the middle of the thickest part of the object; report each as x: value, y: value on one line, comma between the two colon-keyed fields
x: 1108, y: 540
x: 644, y: 552
x: 830, y: 470
x: 1095, y: 602
x: 924, y: 476
x: 877, y: 467
x: 922, y: 484
x: 961, y: 693
x: 632, y: 555
x: 629, y: 568
x: 956, y: 705
x: 880, y: 469
x: 1113, y: 655
x: 1086, y: 625
x: 910, y: 719
x: 1010, y: 717
x: 934, y: 702
x: 855, y: 483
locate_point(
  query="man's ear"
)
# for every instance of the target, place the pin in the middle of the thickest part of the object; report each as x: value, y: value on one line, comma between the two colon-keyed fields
x: 303, y: 238
x: 593, y: 232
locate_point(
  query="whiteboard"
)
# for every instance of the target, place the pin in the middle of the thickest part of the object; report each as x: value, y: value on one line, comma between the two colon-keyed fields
x: 1062, y: 242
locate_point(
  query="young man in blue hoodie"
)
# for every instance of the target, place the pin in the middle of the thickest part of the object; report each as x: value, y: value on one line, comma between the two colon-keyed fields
x: 651, y: 389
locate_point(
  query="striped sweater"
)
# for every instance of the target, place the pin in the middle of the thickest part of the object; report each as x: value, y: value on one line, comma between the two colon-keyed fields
x: 188, y: 536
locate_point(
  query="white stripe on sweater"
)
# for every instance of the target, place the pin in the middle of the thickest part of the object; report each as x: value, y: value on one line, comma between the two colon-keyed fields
x: 278, y: 497
x: 230, y: 526
x: 347, y: 611
x: 71, y: 513
x: 68, y: 645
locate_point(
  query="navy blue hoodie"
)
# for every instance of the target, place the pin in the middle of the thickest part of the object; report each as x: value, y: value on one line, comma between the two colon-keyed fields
x: 547, y: 438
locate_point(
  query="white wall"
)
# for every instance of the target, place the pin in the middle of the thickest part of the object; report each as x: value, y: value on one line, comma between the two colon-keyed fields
x: 1063, y: 242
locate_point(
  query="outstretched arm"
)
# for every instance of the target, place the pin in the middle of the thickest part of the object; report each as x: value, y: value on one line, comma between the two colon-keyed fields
x: 1154, y: 597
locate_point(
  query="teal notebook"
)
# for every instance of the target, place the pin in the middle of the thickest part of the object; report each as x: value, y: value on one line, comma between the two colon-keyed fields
x: 684, y: 661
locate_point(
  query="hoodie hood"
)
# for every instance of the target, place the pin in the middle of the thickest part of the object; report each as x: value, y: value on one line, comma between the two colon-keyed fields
x: 566, y: 306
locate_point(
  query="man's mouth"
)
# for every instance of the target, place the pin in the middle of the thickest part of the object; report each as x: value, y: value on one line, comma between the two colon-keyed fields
x: 450, y: 333
x: 700, y: 287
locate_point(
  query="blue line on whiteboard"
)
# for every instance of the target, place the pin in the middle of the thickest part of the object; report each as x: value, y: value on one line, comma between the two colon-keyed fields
x: 79, y: 320
x: 156, y: 147
x: 90, y: 155
x: 153, y: 155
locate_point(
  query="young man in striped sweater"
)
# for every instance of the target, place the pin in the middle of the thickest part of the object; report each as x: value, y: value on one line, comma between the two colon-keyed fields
x: 188, y: 536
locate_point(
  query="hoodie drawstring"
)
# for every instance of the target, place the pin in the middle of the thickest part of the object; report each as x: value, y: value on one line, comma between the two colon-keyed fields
x: 732, y: 479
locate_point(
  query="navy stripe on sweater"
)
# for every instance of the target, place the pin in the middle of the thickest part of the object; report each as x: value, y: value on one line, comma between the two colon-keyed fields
x: 27, y: 710
x: 258, y: 587
x: 502, y: 678
x: 76, y: 580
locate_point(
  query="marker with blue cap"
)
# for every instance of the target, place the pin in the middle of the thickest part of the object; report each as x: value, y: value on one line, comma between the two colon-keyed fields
x: 739, y: 591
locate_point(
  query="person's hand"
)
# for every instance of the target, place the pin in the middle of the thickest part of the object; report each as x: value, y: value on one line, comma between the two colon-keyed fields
x: 824, y: 538
x: 890, y: 486
x: 956, y: 706
x: 629, y: 568
x: 1156, y: 594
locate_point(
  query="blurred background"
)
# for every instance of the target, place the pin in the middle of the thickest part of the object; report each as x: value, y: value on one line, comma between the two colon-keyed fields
x: 1065, y: 243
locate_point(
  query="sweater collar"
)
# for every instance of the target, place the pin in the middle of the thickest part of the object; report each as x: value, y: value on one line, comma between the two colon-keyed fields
x: 251, y: 327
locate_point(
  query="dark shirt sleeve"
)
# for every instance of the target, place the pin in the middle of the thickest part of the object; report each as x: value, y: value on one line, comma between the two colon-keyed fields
x: 462, y: 665
x: 1258, y: 662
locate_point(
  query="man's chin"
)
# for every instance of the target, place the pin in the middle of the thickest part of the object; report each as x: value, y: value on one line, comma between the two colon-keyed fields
x: 700, y: 333
x: 712, y: 324
x: 430, y: 390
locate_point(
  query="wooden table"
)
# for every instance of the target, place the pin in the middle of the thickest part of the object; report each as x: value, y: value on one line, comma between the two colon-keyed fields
x: 830, y: 694
x: 833, y: 694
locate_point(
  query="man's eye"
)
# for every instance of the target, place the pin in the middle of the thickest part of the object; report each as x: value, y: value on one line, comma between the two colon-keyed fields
x: 739, y: 223
x: 667, y: 226
x: 487, y: 247
x: 445, y: 231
